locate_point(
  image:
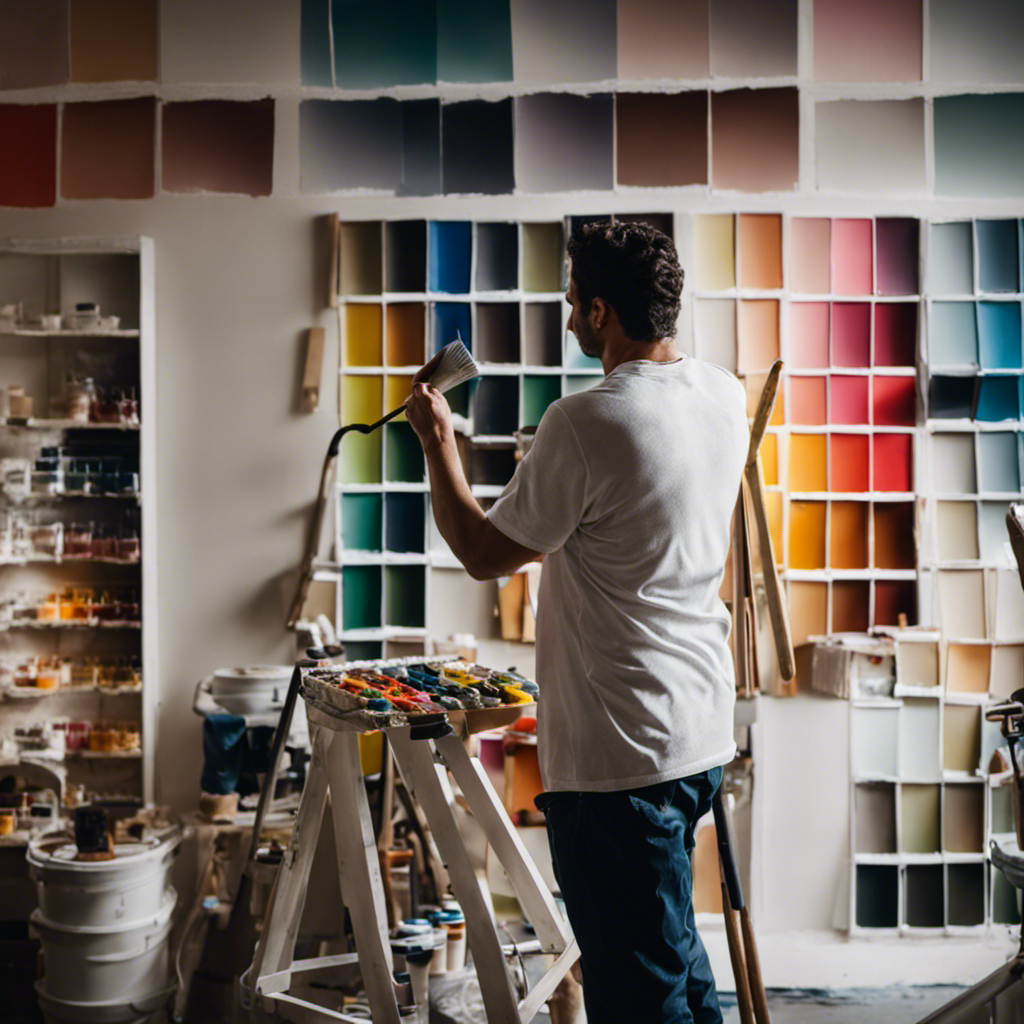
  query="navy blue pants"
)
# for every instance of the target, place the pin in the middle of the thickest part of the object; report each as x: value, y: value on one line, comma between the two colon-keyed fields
x: 622, y: 861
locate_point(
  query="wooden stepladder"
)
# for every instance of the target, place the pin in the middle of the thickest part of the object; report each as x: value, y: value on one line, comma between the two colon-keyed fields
x: 335, y: 770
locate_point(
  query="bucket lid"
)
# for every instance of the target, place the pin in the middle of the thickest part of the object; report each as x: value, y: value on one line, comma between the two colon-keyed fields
x: 59, y: 852
x: 157, y: 920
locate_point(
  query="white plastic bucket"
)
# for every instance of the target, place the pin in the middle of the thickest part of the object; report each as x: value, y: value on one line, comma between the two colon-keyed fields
x: 96, y: 893
x: 119, y: 963
x: 62, y: 1011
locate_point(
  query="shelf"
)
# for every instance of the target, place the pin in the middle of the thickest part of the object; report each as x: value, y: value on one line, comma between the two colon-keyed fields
x: 88, y: 624
x: 70, y: 561
x: 39, y: 424
x: 103, y: 755
x: 34, y: 693
x: 38, y: 332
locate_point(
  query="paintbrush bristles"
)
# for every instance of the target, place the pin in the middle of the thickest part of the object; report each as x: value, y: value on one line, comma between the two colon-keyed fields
x: 456, y: 367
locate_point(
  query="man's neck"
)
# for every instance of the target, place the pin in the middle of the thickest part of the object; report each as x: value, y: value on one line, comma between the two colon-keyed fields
x: 625, y: 350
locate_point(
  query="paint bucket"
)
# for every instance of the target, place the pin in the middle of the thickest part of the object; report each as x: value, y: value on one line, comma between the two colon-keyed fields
x: 98, y: 893
x: 109, y: 964
x: 136, y: 1011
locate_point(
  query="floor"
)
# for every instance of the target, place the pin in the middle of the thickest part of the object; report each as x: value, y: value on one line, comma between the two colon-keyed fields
x: 851, y: 1006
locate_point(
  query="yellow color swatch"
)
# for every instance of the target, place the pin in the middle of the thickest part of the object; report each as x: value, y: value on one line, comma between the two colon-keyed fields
x: 363, y: 334
x: 807, y: 463
x: 361, y: 399
x: 714, y: 252
x: 773, y: 506
x: 396, y: 390
x: 770, y: 459
x: 807, y: 535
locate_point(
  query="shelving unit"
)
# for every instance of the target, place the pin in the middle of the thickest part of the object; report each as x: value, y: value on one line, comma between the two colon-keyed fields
x: 406, y: 289
x: 52, y: 276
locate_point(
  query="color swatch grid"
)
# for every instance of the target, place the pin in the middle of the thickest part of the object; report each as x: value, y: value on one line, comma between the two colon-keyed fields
x: 406, y: 289
x: 923, y: 805
x: 839, y: 453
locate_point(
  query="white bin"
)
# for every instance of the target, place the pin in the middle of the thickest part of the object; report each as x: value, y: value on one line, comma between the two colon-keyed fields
x: 119, y: 963
x: 57, y: 1011
x: 95, y: 893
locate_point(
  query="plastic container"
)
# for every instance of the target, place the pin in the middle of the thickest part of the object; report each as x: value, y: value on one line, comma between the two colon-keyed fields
x: 113, y: 963
x: 251, y: 691
x: 455, y: 926
x: 130, y: 887
x: 64, y: 1011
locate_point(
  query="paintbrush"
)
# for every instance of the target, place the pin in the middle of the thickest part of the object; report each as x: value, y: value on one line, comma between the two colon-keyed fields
x: 454, y: 367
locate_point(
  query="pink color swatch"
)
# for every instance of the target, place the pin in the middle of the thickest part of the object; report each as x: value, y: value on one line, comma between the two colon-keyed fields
x: 848, y: 461
x: 867, y: 41
x: 851, y: 257
x: 895, y: 333
x: 893, y: 401
x: 810, y: 257
x: 807, y: 401
x: 894, y: 462
x: 851, y: 334
x: 849, y: 400
x: 808, y: 331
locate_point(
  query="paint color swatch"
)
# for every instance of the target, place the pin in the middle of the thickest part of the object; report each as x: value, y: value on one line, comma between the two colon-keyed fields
x: 359, y: 243
x: 542, y: 333
x: 998, y: 264
x: 848, y: 400
x: 474, y: 41
x: 979, y: 145
x: 219, y: 146
x: 363, y: 334
x: 807, y: 463
x: 752, y: 39
x: 31, y: 180
x: 871, y: 147
x: 851, y: 333
x: 497, y: 332
x: 951, y: 258
x: 848, y: 535
x: 564, y: 142
x: 661, y: 139
x: 716, y: 332
x: 33, y: 43
x: 808, y: 401
x: 893, y: 401
x: 760, y: 250
x: 999, y: 335
x: 980, y: 42
x: 714, y: 251
x: 476, y: 147
x: 755, y: 139
x: 757, y: 331
x: 849, y: 463
x: 810, y: 241
x: 998, y: 462
x: 542, y: 29
x: 893, y: 529
x: 893, y: 462
x: 808, y: 335
x: 895, y: 334
x: 852, y: 257
x: 405, y: 245
x: 315, y: 44
x: 108, y: 149
x: 449, y: 255
x: 114, y: 40
x: 953, y: 334
x: 543, y: 257
x: 872, y: 41
x: 659, y: 40
x: 245, y: 41
x: 405, y: 334
x: 896, y: 253
x: 920, y: 807
x: 807, y: 534
x: 497, y: 256
x: 421, y: 148
x: 347, y: 145
x: 381, y: 43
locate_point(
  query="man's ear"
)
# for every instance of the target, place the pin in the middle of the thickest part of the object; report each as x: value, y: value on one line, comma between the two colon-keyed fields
x: 599, y: 312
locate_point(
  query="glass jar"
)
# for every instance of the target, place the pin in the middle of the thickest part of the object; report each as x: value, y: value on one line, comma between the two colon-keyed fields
x: 78, y: 541
x: 128, y: 546
x: 80, y: 395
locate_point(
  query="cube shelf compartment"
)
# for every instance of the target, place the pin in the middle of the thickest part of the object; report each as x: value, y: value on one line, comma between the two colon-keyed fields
x: 406, y: 288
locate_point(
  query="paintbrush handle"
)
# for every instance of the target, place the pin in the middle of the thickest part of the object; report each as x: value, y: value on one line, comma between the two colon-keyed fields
x: 763, y: 413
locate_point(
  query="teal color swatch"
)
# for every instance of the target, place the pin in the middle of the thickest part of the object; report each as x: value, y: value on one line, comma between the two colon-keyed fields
x: 405, y: 596
x: 538, y: 393
x: 474, y: 41
x: 998, y: 463
x: 999, y: 338
x: 998, y: 399
x: 316, y: 43
x: 360, y: 596
x: 380, y: 43
x: 451, y: 321
x: 979, y: 145
x: 361, y: 519
x: 403, y: 455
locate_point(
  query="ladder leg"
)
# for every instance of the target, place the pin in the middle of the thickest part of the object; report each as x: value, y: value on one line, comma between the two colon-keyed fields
x: 359, y: 866
x: 276, y: 947
x: 416, y: 762
x: 530, y: 888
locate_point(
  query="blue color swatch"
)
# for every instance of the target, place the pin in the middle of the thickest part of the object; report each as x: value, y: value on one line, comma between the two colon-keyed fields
x: 953, y: 334
x: 449, y: 255
x: 998, y: 399
x: 451, y: 319
x: 316, y: 43
x: 999, y: 337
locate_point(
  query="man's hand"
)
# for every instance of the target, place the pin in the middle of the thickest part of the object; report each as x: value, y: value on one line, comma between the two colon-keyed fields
x: 429, y: 414
x: 425, y: 373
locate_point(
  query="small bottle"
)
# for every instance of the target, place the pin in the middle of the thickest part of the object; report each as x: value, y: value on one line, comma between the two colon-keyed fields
x: 455, y: 925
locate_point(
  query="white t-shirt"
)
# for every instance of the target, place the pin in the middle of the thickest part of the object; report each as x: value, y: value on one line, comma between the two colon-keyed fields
x: 629, y: 488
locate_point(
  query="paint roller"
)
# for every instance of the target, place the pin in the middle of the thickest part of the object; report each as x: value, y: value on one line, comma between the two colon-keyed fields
x: 452, y: 366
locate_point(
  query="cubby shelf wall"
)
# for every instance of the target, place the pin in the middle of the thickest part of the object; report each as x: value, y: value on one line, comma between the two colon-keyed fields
x: 52, y: 275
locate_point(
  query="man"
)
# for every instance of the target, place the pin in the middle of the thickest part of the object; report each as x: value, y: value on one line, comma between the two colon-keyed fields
x: 628, y: 491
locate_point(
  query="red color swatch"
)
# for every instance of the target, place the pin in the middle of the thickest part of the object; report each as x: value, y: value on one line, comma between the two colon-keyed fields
x: 895, y: 333
x: 894, y: 462
x: 28, y: 173
x: 849, y: 400
x: 894, y: 401
x: 893, y: 597
x: 851, y: 334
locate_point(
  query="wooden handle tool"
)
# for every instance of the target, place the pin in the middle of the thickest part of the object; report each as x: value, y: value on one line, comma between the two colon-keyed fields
x: 778, y: 610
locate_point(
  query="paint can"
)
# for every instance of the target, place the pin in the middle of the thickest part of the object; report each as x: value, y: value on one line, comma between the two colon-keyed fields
x: 455, y: 926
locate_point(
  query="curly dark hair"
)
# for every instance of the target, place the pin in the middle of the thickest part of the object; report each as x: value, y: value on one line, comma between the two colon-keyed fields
x: 635, y: 269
